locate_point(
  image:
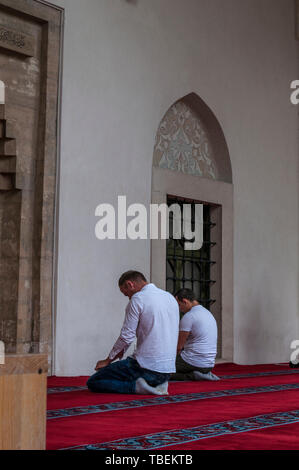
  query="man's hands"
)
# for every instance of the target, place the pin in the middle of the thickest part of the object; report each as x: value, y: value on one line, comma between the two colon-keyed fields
x: 101, y: 364
x: 107, y: 361
x: 119, y: 356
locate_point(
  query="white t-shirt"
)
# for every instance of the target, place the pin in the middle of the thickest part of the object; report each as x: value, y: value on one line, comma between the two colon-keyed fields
x: 200, y: 348
x: 152, y: 315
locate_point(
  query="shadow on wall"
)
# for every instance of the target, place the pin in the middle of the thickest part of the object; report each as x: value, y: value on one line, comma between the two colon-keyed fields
x: 132, y: 2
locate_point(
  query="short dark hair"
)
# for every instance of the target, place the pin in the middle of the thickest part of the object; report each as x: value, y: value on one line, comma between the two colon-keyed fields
x: 185, y: 294
x: 131, y: 276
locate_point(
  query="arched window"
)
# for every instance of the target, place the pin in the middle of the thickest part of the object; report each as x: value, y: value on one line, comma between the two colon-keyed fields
x: 191, y: 164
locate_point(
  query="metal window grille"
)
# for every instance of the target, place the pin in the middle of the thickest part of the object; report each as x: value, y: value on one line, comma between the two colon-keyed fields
x: 188, y: 268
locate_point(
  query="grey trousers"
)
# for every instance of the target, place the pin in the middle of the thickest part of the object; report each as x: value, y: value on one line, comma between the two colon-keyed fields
x: 184, y: 371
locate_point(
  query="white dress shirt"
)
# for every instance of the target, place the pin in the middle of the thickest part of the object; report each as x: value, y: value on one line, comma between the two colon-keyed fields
x: 152, y: 315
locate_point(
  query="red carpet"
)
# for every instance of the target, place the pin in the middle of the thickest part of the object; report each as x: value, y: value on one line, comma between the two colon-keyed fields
x: 251, y: 407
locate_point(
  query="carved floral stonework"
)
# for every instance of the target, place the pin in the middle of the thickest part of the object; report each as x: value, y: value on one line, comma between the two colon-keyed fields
x: 16, y: 41
x: 183, y: 145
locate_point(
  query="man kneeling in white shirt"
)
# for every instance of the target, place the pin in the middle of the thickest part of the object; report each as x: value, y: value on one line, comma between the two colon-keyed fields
x: 152, y: 315
x: 197, y: 344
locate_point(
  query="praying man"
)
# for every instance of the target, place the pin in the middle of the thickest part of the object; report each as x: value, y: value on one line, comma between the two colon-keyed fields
x: 152, y: 315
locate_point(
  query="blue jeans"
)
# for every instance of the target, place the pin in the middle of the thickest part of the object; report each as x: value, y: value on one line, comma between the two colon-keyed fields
x: 121, y: 376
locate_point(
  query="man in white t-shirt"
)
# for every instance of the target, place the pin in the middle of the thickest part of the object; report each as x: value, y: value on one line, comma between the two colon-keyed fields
x: 152, y: 315
x: 197, y: 344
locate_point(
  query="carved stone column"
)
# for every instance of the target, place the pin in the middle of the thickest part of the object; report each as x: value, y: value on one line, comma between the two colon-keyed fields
x: 30, y: 37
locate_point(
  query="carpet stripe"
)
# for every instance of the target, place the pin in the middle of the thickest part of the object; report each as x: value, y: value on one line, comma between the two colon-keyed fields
x: 76, y: 388
x: 259, y: 374
x: 183, y: 436
x: 165, y: 400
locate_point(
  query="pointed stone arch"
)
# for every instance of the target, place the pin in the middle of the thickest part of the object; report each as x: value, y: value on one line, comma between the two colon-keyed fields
x: 190, y: 140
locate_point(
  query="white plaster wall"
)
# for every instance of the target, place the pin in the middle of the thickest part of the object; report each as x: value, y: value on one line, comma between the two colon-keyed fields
x: 125, y: 63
